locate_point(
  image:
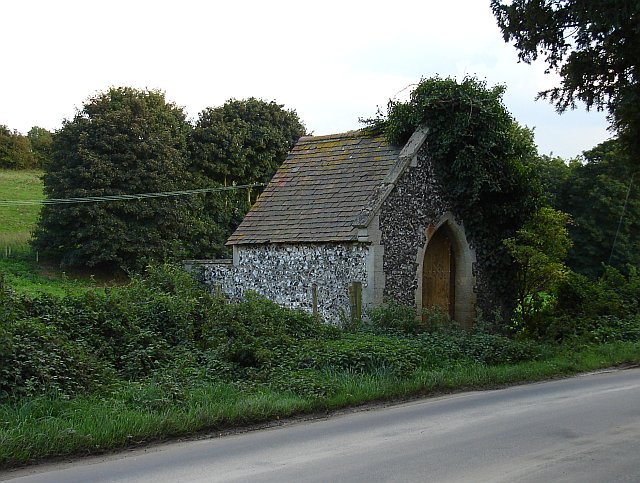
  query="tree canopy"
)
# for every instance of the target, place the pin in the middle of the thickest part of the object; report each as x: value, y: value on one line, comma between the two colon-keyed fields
x: 122, y: 141
x: 539, y: 249
x: 602, y: 194
x: 241, y: 142
x: 41, y: 143
x: 15, y: 150
x: 593, y: 45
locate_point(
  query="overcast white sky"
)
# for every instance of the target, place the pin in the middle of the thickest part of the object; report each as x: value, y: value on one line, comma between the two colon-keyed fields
x: 331, y: 61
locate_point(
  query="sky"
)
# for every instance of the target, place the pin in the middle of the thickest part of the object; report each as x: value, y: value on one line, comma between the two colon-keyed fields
x: 333, y: 62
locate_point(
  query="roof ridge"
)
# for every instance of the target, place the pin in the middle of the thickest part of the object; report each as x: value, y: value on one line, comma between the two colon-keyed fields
x: 347, y: 134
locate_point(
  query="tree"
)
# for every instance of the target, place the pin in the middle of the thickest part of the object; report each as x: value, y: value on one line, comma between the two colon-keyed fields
x: 539, y: 249
x: 554, y: 172
x: 15, y: 150
x: 242, y: 142
x: 122, y: 141
x: 593, y: 45
x: 602, y: 194
x: 41, y: 142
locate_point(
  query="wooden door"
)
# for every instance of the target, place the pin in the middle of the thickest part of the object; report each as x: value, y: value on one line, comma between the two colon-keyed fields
x: 438, y: 280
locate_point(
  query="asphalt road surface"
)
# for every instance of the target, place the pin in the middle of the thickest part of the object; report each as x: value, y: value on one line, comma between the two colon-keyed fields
x: 583, y: 429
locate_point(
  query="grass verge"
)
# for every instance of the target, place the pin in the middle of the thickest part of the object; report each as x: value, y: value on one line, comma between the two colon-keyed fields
x: 136, y: 413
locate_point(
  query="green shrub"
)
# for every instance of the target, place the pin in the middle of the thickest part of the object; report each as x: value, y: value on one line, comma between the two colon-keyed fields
x: 394, y: 318
x: 609, y: 329
x: 309, y: 383
x: 254, y: 333
x: 602, y: 310
x: 457, y: 345
x: 363, y: 353
x: 36, y: 358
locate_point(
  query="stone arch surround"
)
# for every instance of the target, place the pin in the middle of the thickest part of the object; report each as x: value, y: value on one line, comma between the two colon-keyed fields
x: 465, y: 298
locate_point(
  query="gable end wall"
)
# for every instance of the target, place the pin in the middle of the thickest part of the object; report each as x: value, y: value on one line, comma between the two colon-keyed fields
x: 415, y: 203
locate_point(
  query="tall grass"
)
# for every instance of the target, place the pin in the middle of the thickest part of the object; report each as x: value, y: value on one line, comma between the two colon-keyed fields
x: 18, y: 222
x: 44, y: 426
x: 24, y: 269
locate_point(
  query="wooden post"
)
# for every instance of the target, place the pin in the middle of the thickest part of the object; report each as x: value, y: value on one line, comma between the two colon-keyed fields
x: 355, y: 294
x: 314, y: 298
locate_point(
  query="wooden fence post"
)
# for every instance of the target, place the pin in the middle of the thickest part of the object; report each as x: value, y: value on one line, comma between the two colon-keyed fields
x: 314, y: 298
x: 355, y: 294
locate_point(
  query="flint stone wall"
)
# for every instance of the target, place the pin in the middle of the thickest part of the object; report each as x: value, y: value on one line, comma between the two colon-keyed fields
x: 415, y: 203
x: 286, y: 274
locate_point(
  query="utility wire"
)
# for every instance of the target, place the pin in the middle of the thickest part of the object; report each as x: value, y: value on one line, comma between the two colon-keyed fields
x: 137, y: 196
x: 624, y: 208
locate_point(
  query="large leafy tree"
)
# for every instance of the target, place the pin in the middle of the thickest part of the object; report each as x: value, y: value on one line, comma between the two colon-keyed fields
x: 41, y: 143
x: 602, y: 194
x: 242, y: 142
x: 593, y: 45
x: 122, y: 141
x: 539, y: 249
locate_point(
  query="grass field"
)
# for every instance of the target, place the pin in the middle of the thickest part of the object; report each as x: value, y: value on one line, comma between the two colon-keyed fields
x: 24, y: 270
x: 17, y: 222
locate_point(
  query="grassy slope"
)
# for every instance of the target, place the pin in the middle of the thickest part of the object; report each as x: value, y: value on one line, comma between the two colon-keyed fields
x: 17, y: 222
x: 17, y: 262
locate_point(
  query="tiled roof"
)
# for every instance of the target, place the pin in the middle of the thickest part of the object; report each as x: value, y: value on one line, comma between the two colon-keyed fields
x: 320, y: 191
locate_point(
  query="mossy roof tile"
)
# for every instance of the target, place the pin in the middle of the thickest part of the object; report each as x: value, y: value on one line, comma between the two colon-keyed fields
x: 319, y: 191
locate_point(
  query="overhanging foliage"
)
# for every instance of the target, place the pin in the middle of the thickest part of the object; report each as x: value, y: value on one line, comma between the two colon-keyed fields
x: 483, y: 158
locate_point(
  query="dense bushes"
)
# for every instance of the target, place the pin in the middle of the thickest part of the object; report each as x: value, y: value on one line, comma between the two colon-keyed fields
x: 167, y: 329
x: 167, y: 332
x: 163, y: 323
x: 596, y: 311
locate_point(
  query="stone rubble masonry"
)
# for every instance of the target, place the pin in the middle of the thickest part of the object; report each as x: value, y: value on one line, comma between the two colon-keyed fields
x: 286, y: 273
x: 414, y: 204
x: 414, y: 210
x: 396, y: 214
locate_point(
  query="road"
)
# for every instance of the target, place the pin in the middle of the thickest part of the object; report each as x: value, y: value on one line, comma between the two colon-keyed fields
x: 583, y: 429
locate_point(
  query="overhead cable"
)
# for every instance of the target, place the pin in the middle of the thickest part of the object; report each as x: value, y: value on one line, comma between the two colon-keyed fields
x: 136, y: 196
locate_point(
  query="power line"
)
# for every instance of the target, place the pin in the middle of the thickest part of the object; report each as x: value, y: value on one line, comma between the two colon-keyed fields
x: 624, y: 208
x: 137, y: 196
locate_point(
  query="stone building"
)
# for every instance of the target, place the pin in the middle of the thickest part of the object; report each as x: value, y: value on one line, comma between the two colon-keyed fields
x: 348, y: 221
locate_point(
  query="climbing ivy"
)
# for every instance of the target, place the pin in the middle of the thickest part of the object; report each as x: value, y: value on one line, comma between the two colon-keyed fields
x: 484, y: 160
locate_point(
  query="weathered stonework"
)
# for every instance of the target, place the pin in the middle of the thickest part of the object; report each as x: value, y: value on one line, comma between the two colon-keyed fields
x: 415, y: 203
x: 288, y: 273
x: 344, y: 209
x: 415, y: 210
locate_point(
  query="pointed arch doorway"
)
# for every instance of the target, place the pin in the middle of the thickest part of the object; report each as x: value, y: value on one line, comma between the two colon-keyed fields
x: 439, y: 272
